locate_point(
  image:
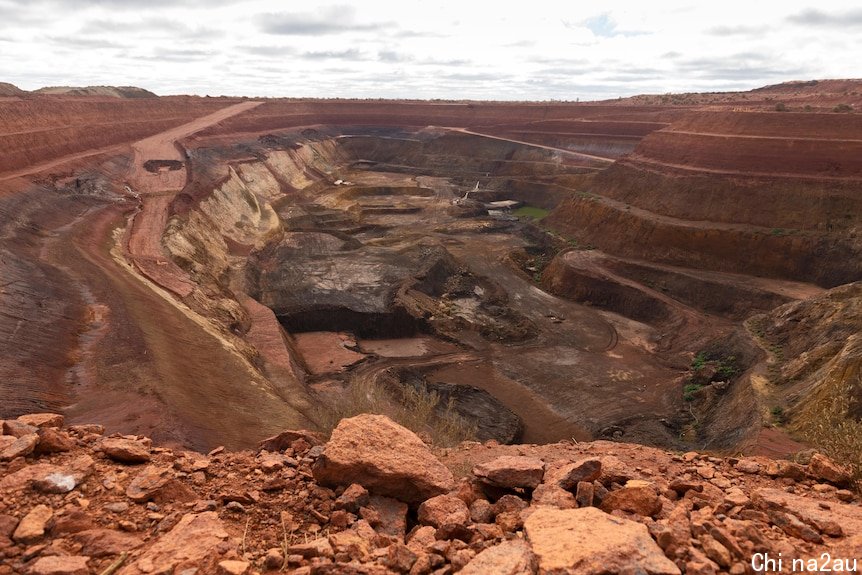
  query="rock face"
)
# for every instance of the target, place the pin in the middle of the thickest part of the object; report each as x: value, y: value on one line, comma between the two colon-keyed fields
x: 383, y: 457
x: 591, y: 542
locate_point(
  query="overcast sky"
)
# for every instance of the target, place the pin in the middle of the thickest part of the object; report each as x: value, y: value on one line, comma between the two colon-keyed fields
x: 534, y: 49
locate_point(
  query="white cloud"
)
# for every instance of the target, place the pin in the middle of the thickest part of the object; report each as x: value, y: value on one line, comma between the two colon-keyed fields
x: 426, y: 49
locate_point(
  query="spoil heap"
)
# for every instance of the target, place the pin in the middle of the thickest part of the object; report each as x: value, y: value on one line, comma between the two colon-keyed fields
x: 376, y: 499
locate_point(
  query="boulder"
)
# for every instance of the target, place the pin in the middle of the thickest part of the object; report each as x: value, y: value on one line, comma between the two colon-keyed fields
x: 383, y: 457
x: 823, y: 468
x: 196, y: 538
x: 508, y: 558
x: 42, y: 420
x: 125, y: 450
x: 444, y: 510
x: 511, y: 472
x: 21, y: 447
x: 15, y: 428
x: 590, y: 542
x: 53, y: 440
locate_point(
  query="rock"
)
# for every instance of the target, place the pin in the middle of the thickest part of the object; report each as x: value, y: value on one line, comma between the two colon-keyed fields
x: 480, y: 511
x: 105, y: 542
x: 194, y: 539
x: 21, y: 447
x: 392, y: 514
x: 681, y: 486
x: 821, y: 467
x: 63, y: 479
x: 638, y: 497
x: 552, y: 495
x: 384, y: 457
x: 72, y: 522
x: 793, y: 526
x: 17, y: 429
x: 125, y: 450
x: 584, y: 494
x: 784, y: 468
x: 53, y: 441
x: 567, y: 475
x: 7, y: 525
x: 32, y: 526
x: 400, y: 558
x: 353, y: 498
x: 351, y: 544
x: 748, y: 466
x: 443, y: 510
x: 716, y: 551
x: 6, y: 441
x: 273, y: 559
x: 588, y: 541
x: 508, y: 558
x: 511, y: 472
x: 736, y: 497
x: 508, y: 503
x: 613, y: 471
x: 157, y: 484
x: 706, y: 471
x: 844, y: 495
x: 55, y: 483
x: 809, y: 511
x: 232, y: 567
x: 60, y: 565
x: 283, y: 440
x: 42, y: 420
x: 316, y: 548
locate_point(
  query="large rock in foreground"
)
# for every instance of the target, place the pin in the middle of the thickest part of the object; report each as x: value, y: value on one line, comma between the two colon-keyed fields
x: 590, y: 542
x: 383, y: 457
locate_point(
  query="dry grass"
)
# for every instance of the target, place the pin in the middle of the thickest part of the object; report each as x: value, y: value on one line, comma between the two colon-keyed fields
x: 418, y: 409
x: 824, y: 420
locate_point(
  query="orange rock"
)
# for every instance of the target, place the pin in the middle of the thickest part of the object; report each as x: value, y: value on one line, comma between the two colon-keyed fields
x: 32, y: 526
x: 508, y: 558
x: 42, y: 420
x: 383, y: 457
x: 638, y: 497
x: 590, y: 542
x: 125, y: 450
x: 511, y: 472
x: 443, y: 510
x: 60, y: 565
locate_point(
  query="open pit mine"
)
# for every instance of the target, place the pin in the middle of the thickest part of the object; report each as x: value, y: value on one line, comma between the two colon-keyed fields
x: 643, y: 314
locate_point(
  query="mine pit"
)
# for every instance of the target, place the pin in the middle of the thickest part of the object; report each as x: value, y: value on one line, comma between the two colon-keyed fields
x: 521, y: 279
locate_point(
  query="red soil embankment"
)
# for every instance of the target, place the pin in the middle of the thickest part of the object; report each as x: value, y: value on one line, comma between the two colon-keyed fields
x: 36, y: 130
x: 750, y: 143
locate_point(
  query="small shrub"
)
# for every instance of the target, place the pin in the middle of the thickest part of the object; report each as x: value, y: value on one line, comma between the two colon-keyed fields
x: 780, y: 107
x: 699, y: 361
x: 690, y: 390
x: 843, y: 108
x: 778, y: 416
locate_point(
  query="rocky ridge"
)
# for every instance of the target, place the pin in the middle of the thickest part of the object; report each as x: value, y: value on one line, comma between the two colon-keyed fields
x: 375, y: 498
